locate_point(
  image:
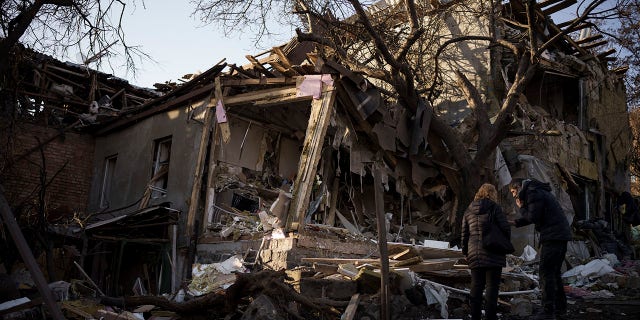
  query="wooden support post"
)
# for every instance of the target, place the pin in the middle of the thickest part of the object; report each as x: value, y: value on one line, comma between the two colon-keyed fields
x: 210, y: 199
x: 562, y: 5
x: 331, y: 219
x: 382, y: 241
x: 28, y: 259
x: 351, y: 309
x: 197, y: 174
x: 319, y: 119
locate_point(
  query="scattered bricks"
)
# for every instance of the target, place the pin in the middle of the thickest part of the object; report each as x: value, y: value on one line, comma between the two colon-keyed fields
x: 337, y: 289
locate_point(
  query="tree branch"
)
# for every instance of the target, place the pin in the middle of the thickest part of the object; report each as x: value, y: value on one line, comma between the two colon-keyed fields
x: 477, y: 105
x: 503, y: 120
x: 592, y: 6
x: 380, y: 44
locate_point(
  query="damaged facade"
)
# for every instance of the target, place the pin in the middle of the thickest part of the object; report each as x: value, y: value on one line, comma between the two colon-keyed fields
x: 294, y: 160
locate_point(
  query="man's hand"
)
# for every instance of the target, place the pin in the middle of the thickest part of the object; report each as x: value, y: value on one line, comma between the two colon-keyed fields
x: 518, y: 203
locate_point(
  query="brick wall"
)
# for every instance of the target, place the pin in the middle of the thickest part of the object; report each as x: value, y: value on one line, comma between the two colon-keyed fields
x: 68, y: 162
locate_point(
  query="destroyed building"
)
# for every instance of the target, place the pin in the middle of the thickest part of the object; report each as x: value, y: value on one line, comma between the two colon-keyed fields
x: 296, y: 160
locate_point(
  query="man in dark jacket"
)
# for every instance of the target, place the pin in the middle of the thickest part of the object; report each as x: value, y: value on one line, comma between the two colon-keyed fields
x: 539, y: 207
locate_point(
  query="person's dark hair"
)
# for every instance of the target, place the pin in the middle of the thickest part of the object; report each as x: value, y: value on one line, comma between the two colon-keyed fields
x: 516, y: 183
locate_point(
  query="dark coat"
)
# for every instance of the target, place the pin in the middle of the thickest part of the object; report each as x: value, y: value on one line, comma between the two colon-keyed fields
x: 542, y: 209
x: 473, y: 222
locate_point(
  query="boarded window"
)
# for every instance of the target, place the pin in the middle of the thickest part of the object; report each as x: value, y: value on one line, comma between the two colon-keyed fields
x: 160, y: 174
x: 107, y: 180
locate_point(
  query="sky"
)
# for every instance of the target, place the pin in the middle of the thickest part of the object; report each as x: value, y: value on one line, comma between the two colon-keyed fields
x: 179, y: 43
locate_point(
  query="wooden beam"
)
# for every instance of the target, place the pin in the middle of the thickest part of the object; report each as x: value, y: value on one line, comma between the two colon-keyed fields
x: 589, y: 39
x: 564, y: 24
x: 519, y: 7
x: 351, y: 309
x: 321, y: 110
x: 271, y: 96
x: 29, y: 260
x: 606, y: 53
x: 580, y: 27
x: 547, y: 3
x: 620, y: 70
x: 258, y: 65
x: 158, y: 109
x: 593, y: 45
x: 434, y: 265
x: 259, y: 82
x: 341, y: 261
x: 211, y: 184
x: 382, y: 239
x: 199, y: 168
x: 562, y: 5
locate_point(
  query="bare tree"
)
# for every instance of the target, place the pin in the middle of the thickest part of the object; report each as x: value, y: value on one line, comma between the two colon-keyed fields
x: 91, y: 27
x: 405, y: 47
x: 619, y: 22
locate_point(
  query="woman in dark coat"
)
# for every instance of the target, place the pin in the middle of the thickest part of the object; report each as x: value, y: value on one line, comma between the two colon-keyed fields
x: 486, y: 267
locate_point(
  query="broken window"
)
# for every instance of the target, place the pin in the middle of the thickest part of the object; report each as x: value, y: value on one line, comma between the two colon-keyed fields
x: 584, y: 204
x: 160, y: 174
x: 561, y: 95
x: 107, y: 180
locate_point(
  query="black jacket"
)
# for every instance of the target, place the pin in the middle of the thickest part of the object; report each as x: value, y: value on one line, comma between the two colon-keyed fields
x: 542, y: 209
x: 473, y: 222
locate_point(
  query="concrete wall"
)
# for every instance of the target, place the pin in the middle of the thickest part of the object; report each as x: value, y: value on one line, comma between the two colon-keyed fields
x: 607, y: 113
x: 134, y: 147
x: 67, y: 167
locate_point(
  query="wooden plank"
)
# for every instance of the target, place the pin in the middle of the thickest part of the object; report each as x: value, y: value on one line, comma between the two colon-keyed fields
x: 161, y: 108
x: 593, y: 45
x: 382, y: 239
x: 211, y: 183
x: 321, y: 110
x: 433, y: 265
x: 27, y: 305
x: 169, y: 100
x: 27, y: 256
x: 403, y: 252
x: 333, y: 202
x: 589, y: 39
x: 606, y: 53
x: 341, y: 261
x: 547, y: 3
x: 564, y: 24
x: 258, y: 65
x: 336, y: 246
x: 562, y: 5
x: 325, y: 268
x: 351, y: 309
x: 272, y: 95
x: 429, y: 253
x: 408, y: 262
x: 199, y: 169
x: 261, y: 81
x: 282, y: 57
